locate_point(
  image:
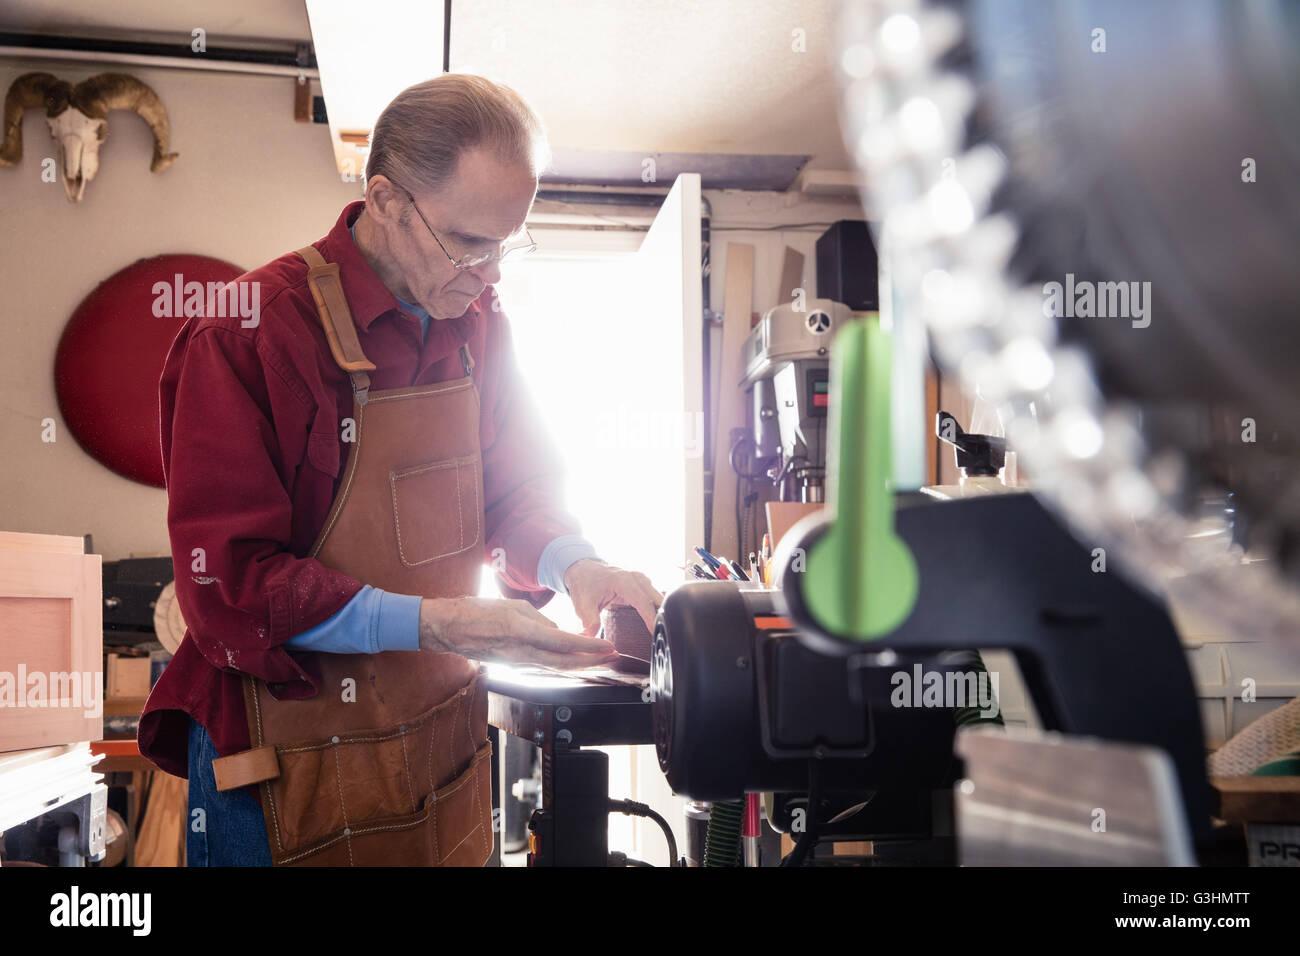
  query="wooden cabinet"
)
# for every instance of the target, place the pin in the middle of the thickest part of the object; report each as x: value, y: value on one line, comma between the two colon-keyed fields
x: 51, y: 642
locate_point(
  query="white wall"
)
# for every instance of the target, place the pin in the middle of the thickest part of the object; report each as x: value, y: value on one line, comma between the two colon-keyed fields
x: 249, y: 185
x: 733, y: 207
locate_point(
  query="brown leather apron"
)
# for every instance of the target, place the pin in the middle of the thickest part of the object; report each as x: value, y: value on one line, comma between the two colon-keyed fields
x: 389, y: 764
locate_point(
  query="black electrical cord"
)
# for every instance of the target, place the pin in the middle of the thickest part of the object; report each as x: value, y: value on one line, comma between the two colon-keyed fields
x: 745, y: 513
x: 748, y: 466
x: 751, y: 458
x: 805, y: 844
x: 634, y: 809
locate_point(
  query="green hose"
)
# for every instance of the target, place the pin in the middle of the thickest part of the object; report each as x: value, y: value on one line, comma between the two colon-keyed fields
x: 722, y: 841
x: 965, y: 716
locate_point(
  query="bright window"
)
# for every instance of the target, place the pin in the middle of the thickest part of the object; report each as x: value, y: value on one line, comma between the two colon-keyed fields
x: 563, y: 309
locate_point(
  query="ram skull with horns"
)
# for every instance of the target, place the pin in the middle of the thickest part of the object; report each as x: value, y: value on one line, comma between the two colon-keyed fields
x: 77, y: 117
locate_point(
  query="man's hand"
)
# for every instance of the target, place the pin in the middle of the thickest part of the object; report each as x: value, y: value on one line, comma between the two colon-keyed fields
x: 593, y: 585
x: 499, y: 629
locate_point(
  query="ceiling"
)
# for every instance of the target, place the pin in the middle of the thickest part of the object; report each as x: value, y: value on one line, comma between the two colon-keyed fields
x: 670, y: 75
x: 631, y: 78
x: 283, y: 20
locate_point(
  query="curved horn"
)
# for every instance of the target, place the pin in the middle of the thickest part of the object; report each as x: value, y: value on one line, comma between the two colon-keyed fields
x: 98, y: 94
x: 25, y: 93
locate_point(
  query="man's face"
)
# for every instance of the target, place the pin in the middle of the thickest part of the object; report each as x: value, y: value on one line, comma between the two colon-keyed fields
x: 484, y: 203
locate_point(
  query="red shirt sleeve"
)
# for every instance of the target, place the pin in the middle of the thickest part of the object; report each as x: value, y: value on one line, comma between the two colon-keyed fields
x: 229, y: 407
x: 522, y: 475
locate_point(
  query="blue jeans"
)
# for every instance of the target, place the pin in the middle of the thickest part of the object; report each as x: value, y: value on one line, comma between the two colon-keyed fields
x: 231, y: 830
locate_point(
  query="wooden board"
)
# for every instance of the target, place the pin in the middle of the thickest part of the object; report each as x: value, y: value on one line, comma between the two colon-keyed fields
x: 730, y: 413
x: 1034, y: 796
x: 26, y: 758
x: 161, y: 840
x: 932, y: 445
x: 791, y: 276
x: 51, y: 624
x: 852, y: 848
x: 781, y: 515
x: 57, y: 543
x: 1258, y: 799
x: 302, y: 101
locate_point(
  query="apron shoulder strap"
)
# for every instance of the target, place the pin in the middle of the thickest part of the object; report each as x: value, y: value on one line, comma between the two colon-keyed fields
x: 336, y: 317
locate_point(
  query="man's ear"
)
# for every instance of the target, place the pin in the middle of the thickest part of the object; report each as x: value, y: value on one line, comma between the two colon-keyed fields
x: 384, y: 201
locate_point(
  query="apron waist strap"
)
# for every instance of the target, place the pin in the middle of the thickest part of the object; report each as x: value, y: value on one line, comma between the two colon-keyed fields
x: 246, y: 768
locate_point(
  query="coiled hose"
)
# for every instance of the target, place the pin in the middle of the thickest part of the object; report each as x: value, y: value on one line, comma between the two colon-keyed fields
x: 974, y: 713
x: 722, y: 840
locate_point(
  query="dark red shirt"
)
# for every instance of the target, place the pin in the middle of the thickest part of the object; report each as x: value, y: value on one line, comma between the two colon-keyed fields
x: 252, y: 426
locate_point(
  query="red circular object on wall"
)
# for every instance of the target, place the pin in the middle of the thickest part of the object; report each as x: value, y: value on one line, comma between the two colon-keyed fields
x: 111, y: 357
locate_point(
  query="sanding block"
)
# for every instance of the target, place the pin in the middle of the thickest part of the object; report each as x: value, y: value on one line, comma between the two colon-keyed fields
x: 621, y: 625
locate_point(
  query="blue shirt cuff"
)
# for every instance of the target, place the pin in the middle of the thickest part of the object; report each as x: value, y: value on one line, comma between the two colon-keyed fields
x: 373, y: 621
x: 558, y: 556
x: 397, y: 625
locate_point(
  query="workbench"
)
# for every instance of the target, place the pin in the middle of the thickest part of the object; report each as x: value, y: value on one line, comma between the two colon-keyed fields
x: 562, y: 714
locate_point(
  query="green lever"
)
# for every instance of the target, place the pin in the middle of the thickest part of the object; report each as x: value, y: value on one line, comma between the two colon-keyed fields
x: 860, y: 581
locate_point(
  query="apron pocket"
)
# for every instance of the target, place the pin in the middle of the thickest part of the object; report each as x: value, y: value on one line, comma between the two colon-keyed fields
x: 382, y: 780
x: 436, y: 509
x: 451, y: 828
x: 460, y: 835
x: 323, y: 788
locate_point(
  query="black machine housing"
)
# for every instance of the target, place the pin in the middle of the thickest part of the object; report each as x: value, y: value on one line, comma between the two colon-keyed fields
x: 741, y: 707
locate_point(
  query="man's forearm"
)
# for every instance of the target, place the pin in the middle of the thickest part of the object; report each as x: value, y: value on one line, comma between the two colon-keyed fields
x: 575, y: 571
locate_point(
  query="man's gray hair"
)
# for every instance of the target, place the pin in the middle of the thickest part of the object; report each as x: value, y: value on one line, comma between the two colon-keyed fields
x: 419, y: 137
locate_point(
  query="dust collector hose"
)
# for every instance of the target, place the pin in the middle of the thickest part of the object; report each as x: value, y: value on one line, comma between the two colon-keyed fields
x: 722, y: 841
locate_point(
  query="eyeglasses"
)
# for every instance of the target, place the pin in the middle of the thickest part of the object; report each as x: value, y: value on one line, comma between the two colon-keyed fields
x: 510, y: 253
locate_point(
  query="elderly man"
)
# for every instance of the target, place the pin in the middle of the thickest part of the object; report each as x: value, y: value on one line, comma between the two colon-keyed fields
x: 338, y: 472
